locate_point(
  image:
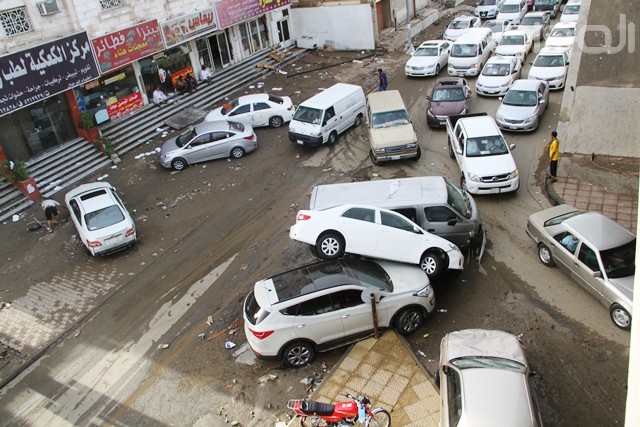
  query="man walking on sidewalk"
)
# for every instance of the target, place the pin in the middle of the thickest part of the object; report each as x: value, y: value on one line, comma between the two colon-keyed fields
x: 554, y: 154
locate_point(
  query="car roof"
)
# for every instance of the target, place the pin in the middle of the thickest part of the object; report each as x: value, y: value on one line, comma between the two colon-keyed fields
x: 463, y: 18
x: 449, y: 81
x: 432, y: 43
x: 536, y: 14
x: 498, y: 59
x: 93, y: 196
x: 256, y: 97
x: 552, y: 50
x: 514, y: 33
x: 212, y: 126
x: 600, y: 230
x: 525, y: 84
x: 565, y: 25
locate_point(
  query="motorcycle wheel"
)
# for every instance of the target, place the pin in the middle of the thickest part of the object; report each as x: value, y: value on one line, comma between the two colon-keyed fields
x: 379, y: 418
x: 314, y: 422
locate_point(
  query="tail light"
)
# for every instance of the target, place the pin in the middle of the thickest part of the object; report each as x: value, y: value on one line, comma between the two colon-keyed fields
x: 303, y: 217
x: 93, y: 243
x: 250, y: 137
x: 260, y: 335
x: 130, y: 231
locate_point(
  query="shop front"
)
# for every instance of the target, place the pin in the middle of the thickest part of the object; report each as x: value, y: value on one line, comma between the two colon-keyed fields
x: 35, y: 108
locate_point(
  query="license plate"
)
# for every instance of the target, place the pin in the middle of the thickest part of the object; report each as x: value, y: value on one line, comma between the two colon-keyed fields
x: 495, y: 190
x: 395, y: 157
x: 513, y: 127
x: 492, y: 91
x: 443, y: 123
x: 300, y: 142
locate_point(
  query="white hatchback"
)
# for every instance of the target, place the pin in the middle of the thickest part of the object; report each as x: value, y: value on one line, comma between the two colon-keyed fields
x: 260, y: 109
x: 103, y: 223
x: 377, y: 233
x: 497, y: 76
x: 428, y: 59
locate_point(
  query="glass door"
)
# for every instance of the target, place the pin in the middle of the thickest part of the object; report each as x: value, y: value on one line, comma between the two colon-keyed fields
x: 226, y: 55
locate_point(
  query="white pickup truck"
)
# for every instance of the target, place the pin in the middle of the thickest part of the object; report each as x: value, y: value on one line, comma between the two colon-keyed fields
x: 485, y: 160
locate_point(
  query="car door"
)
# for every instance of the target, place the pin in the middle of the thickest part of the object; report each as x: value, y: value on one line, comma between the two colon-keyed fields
x: 586, y: 264
x: 76, y: 215
x: 221, y: 144
x: 317, y: 319
x: 242, y: 114
x: 563, y: 255
x: 198, y: 149
x: 442, y: 221
x: 360, y: 230
x: 397, y: 240
x: 261, y: 114
x: 356, y: 314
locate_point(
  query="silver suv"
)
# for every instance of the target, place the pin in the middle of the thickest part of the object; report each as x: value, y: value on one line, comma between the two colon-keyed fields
x: 325, y: 305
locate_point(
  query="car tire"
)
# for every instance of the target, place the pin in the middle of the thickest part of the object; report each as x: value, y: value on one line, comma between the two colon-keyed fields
x: 620, y: 316
x: 276, y: 121
x: 463, y: 183
x: 179, y: 164
x: 358, y: 121
x: 437, y: 69
x: 333, y: 137
x: 545, y: 255
x: 237, y: 153
x: 408, y: 321
x: 418, y: 155
x: 298, y: 354
x: 451, y: 153
x: 330, y: 246
x: 436, y: 378
x: 432, y: 264
x: 374, y: 159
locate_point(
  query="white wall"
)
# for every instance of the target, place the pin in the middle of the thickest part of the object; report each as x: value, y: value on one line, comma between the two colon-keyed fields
x: 348, y: 27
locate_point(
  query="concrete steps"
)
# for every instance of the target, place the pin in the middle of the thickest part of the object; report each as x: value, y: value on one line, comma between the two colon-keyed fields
x: 75, y: 160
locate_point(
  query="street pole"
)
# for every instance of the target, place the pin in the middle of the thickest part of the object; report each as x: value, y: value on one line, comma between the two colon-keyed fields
x: 409, y: 47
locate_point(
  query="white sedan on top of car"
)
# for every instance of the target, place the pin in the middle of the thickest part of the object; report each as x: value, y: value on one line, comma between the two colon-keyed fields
x: 428, y: 59
x: 260, y: 109
x: 376, y: 233
x: 459, y: 26
x: 562, y: 35
x: 101, y: 219
x: 551, y: 65
x: 522, y: 107
x: 497, y: 29
x: 515, y: 43
x: 497, y: 75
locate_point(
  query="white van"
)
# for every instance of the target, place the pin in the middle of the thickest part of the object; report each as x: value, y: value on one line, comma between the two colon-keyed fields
x: 432, y: 202
x: 321, y: 118
x: 469, y: 52
x: 391, y: 133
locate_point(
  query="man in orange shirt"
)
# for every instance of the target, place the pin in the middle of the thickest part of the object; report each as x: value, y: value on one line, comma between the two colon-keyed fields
x: 554, y: 154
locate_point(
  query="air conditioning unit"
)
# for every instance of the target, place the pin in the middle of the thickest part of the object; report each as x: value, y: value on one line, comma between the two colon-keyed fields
x: 48, y: 7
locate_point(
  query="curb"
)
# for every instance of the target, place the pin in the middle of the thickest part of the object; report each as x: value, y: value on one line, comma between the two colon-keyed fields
x: 550, y: 191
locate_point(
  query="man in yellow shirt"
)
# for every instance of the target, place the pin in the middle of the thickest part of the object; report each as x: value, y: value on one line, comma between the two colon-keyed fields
x: 554, y: 154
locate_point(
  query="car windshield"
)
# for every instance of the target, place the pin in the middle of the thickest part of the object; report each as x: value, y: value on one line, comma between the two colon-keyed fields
x: 389, y: 118
x: 496, y: 70
x: 549, y: 61
x: 571, y: 9
x: 561, y: 218
x: 103, y: 217
x: 371, y: 274
x: 255, y: 313
x: 510, y: 8
x: 236, y: 126
x: 472, y: 362
x: 464, y: 50
x: 521, y: 98
x: 562, y: 32
x: 487, y: 3
x: 450, y: 94
x: 426, y: 51
x: 185, y: 137
x: 459, y: 25
x: 512, y: 40
x: 458, y: 200
x: 620, y: 262
x: 531, y: 20
x: 226, y: 107
x: 486, y: 146
x: 308, y: 115
x: 493, y: 25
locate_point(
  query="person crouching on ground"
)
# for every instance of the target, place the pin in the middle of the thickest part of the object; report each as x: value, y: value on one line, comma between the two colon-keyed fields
x: 191, y: 83
x: 159, y: 97
x: 181, y: 85
x: 206, y: 75
x: 50, y: 208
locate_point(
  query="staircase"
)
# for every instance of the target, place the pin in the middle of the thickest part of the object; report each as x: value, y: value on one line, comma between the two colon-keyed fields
x: 75, y: 160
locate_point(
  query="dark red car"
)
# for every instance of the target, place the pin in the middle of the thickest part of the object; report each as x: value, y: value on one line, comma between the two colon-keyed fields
x: 449, y: 97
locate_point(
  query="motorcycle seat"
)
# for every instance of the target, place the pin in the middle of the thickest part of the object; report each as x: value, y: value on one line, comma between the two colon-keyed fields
x: 312, y: 407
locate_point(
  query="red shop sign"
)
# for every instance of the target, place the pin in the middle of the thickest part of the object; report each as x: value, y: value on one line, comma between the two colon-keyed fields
x: 124, y: 106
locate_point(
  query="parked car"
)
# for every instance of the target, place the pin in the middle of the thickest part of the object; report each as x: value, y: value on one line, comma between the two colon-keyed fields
x: 100, y: 217
x: 562, y: 35
x: 515, y: 43
x: 260, y: 109
x: 459, y: 26
x: 449, y: 96
x: 208, y: 141
x: 512, y: 10
x: 551, y: 6
x: 594, y: 250
x: 497, y: 75
x: 487, y: 8
x: 497, y: 29
x: 522, y: 107
x: 552, y: 66
x: 321, y: 306
x: 571, y: 11
x: 536, y: 24
x: 428, y: 59
x: 377, y: 233
x: 485, y: 380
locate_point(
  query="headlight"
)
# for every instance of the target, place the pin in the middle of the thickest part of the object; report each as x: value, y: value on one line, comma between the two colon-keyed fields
x: 378, y: 150
x: 513, y: 174
x: 499, y: 117
x: 506, y: 84
x: 474, y: 178
x: 429, y: 67
x: 476, y: 65
x: 430, y: 114
x: 411, y: 146
x: 426, y: 292
x: 530, y: 119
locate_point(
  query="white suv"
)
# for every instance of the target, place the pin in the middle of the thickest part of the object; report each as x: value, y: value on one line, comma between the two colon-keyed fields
x: 325, y: 305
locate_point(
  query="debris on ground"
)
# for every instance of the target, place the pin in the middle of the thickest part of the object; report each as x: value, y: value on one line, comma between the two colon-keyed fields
x: 163, y: 346
x: 267, y: 377
x: 229, y: 344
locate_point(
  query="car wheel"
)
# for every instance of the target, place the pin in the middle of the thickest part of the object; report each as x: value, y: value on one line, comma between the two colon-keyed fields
x: 330, y: 246
x: 358, y: 121
x: 463, y: 183
x: 432, y: 264
x: 436, y: 379
x: 451, y: 153
x: 374, y: 159
x: 298, y: 354
x: 333, y: 137
x: 418, y: 154
x: 544, y: 253
x: 179, y: 164
x: 408, y: 321
x: 276, y: 121
x: 237, y: 152
x: 620, y: 317
x: 437, y: 69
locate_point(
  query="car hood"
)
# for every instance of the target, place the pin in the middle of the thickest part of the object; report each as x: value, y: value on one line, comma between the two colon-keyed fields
x: 491, y: 165
x: 422, y: 61
x: 515, y: 113
x: 455, y: 33
x: 486, y: 8
x: 447, y: 108
x: 393, y: 135
x: 565, y: 42
x: 509, y: 50
x: 547, y: 72
x: 169, y: 146
x: 494, y: 81
x: 405, y: 277
x: 624, y: 285
x: 214, y: 115
x: 482, y: 342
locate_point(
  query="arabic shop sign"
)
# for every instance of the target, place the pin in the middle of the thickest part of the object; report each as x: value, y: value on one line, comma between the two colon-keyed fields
x: 187, y: 27
x: 117, y: 49
x: 124, y: 106
x: 231, y: 12
x: 34, y: 74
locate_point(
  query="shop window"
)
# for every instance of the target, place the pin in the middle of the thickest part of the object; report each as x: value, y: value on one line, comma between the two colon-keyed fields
x: 15, y: 21
x: 111, y: 4
x: 157, y: 70
x: 103, y: 95
x: 244, y: 37
x: 262, y: 29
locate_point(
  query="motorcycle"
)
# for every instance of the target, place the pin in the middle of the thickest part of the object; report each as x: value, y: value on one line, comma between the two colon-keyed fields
x: 341, y: 414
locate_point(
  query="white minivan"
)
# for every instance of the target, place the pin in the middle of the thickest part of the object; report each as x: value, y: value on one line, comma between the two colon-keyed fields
x: 321, y: 118
x: 470, y: 52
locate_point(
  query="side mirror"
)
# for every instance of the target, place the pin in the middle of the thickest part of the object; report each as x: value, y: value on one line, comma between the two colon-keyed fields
x: 417, y: 230
x: 445, y: 370
x: 500, y: 98
x: 567, y: 63
x: 542, y: 101
x: 512, y: 147
x: 428, y: 98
